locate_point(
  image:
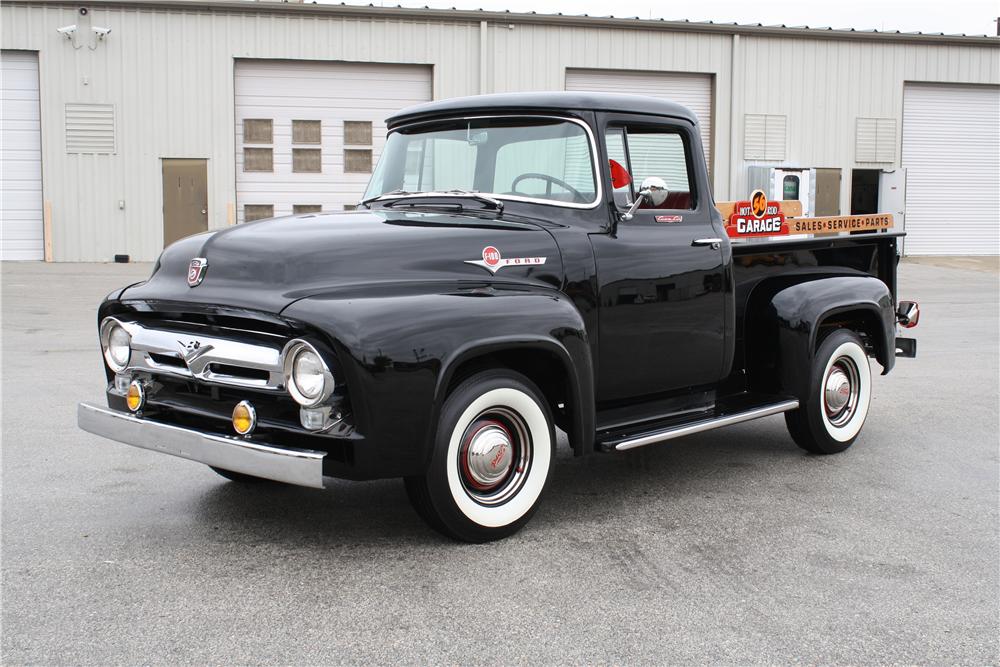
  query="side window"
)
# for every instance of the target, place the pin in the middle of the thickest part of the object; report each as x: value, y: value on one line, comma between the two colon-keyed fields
x: 654, y: 152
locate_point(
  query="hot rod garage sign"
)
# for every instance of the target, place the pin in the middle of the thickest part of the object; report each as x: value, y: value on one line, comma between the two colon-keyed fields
x: 757, y: 217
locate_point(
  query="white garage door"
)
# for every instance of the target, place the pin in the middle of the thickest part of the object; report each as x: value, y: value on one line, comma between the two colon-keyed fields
x: 20, y: 157
x: 308, y: 133
x: 951, y: 152
x: 692, y: 90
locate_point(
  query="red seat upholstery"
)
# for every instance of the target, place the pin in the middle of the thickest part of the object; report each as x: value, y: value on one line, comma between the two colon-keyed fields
x: 675, y: 200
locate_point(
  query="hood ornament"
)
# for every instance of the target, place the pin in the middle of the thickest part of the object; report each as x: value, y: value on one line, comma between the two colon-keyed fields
x: 192, y: 349
x: 196, y: 271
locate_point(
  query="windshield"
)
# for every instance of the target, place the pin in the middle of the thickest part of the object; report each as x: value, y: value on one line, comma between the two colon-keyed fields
x: 536, y: 158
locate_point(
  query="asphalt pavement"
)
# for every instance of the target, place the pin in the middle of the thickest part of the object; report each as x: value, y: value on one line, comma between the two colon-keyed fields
x: 731, y: 546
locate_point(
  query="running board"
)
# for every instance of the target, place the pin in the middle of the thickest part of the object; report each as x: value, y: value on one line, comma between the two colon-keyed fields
x: 716, y: 421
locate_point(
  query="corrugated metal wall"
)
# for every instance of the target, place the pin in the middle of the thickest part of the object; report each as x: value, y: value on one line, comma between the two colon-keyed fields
x: 170, y: 77
x: 824, y: 86
x: 169, y: 74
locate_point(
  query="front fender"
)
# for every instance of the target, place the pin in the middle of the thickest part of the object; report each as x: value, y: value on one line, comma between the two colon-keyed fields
x: 784, y: 325
x: 399, y: 352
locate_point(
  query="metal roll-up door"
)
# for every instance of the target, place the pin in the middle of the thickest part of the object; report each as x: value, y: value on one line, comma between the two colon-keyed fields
x: 951, y: 153
x: 308, y: 133
x: 691, y: 90
x: 20, y: 158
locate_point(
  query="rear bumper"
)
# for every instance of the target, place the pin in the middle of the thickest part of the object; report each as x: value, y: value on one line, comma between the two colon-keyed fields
x: 294, y: 466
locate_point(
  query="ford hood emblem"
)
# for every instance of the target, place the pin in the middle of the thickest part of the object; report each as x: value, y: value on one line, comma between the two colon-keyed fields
x: 196, y: 271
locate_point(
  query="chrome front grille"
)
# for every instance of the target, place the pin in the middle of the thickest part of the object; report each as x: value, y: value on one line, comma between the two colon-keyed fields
x: 195, y: 355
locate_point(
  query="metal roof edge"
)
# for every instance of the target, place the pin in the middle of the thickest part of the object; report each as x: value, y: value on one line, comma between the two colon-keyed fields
x: 471, y: 15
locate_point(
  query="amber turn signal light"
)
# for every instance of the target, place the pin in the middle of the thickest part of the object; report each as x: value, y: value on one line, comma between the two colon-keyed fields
x: 244, y: 418
x: 135, y: 396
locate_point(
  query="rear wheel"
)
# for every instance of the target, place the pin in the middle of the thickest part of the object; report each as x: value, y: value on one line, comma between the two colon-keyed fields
x: 492, y: 456
x: 832, y: 412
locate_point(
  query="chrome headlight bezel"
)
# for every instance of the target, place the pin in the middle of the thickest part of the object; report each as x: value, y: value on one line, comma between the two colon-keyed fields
x: 108, y: 326
x: 292, y: 350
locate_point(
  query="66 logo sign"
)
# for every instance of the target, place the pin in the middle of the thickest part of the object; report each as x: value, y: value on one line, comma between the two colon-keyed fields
x: 492, y: 261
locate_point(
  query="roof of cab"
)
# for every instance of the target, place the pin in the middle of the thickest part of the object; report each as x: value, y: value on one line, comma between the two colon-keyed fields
x: 550, y: 101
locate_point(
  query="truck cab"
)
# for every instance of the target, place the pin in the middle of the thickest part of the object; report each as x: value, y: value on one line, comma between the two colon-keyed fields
x: 519, y: 264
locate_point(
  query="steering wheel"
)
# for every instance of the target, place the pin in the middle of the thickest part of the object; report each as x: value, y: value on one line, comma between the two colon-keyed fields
x: 549, y: 180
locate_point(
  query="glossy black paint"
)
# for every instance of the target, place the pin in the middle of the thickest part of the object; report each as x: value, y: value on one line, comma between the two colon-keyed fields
x: 624, y: 323
x: 662, y: 299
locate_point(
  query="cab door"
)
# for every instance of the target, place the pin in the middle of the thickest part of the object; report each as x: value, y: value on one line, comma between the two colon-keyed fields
x: 661, y: 275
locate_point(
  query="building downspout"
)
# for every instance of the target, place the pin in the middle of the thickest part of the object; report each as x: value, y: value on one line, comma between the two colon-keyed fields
x: 482, y: 56
x: 734, y: 161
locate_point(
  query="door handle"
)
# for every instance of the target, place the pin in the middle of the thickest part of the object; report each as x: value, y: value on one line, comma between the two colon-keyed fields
x: 713, y: 243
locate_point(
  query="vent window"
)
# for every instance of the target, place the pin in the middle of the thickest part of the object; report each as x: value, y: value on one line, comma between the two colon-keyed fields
x: 258, y: 131
x: 306, y: 131
x: 357, y: 161
x: 306, y: 160
x: 258, y: 159
x: 357, y: 133
x: 253, y: 212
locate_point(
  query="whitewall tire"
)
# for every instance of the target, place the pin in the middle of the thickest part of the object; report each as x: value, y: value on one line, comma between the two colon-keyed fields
x: 491, y: 461
x: 834, y: 408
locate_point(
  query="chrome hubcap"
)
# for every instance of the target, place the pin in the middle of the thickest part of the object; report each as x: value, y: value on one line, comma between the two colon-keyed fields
x: 841, y: 390
x: 494, y: 456
x: 489, y: 455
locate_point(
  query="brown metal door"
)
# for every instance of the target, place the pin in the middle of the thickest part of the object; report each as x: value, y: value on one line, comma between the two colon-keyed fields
x: 185, y: 198
x: 827, y: 192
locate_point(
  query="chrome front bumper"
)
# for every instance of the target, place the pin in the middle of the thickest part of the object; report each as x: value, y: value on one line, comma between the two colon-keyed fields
x: 294, y: 466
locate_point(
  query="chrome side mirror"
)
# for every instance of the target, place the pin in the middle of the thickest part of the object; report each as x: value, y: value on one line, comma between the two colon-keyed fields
x: 654, y: 190
x: 908, y: 314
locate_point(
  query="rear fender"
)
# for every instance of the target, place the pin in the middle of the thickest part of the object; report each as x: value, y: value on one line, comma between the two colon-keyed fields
x: 784, y: 327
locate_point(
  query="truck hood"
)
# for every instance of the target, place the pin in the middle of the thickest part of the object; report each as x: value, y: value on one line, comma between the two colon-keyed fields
x: 269, y: 264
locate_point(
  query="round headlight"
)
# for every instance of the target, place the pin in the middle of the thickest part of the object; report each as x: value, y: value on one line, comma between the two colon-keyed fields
x: 307, y: 374
x: 307, y: 378
x: 117, y: 344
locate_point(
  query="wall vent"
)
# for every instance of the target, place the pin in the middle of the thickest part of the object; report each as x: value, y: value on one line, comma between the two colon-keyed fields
x: 875, y: 140
x: 90, y: 128
x: 764, y: 137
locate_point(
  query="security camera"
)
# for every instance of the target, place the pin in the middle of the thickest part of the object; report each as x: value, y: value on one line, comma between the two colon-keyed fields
x: 67, y: 31
x: 101, y: 32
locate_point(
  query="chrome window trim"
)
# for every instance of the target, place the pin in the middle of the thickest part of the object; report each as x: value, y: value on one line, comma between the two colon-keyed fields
x: 598, y: 176
x: 199, y: 353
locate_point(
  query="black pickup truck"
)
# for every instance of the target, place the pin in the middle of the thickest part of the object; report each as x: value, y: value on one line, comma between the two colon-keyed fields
x: 519, y: 263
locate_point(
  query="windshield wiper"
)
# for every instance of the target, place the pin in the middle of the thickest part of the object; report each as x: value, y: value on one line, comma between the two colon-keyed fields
x: 399, y: 196
x: 495, y: 203
x: 393, y: 193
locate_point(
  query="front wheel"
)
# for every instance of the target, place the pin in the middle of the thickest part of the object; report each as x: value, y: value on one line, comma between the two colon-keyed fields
x: 492, y: 456
x: 832, y: 412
